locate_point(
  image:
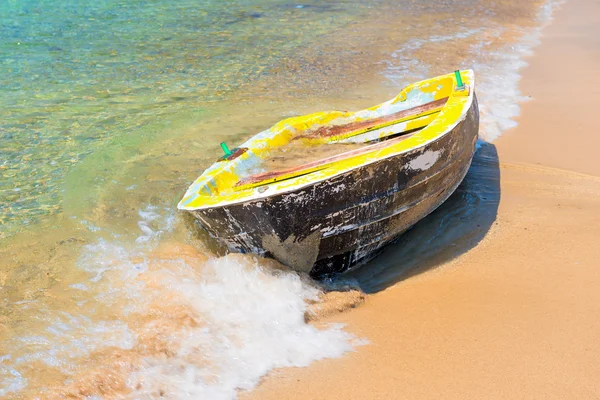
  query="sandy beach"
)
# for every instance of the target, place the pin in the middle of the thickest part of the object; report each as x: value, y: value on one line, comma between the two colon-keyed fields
x: 517, y: 315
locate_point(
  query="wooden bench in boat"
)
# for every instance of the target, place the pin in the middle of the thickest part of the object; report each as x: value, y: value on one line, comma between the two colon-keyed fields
x: 343, y: 131
x: 337, y: 132
x: 265, y: 178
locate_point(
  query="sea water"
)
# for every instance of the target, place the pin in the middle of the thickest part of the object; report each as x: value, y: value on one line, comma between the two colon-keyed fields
x: 110, y: 108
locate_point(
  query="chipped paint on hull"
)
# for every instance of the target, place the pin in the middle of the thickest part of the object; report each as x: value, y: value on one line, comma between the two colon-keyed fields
x: 425, y: 160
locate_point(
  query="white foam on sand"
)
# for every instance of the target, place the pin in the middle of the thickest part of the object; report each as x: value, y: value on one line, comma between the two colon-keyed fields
x: 252, y: 321
x: 223, y: 323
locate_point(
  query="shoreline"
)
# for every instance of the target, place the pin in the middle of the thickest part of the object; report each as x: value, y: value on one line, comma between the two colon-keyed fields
x: 563, y: 75
x: 516, y: 315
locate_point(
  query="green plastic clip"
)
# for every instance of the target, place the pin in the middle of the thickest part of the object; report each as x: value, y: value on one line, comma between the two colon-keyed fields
x: 226, y: 149
x: 459, y: 82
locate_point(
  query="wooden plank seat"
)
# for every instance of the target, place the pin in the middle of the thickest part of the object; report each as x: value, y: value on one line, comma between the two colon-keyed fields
x: 265, y: 178
x: 359, y: 127
x: 344, y: 131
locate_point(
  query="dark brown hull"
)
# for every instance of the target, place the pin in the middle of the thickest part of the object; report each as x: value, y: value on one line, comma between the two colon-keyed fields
x: 330, y: 226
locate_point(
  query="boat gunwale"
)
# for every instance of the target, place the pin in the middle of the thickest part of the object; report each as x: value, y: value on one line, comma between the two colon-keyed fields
x: 456, y: 92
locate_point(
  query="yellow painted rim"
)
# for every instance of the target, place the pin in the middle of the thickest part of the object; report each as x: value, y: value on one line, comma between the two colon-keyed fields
x: 216, y: 186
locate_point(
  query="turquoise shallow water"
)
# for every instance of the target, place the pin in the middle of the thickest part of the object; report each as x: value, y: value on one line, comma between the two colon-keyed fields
x: 77, y: 76
x: 90, y: 87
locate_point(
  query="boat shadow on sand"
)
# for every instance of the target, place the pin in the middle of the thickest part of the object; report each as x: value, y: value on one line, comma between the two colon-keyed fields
x: 457, y: 226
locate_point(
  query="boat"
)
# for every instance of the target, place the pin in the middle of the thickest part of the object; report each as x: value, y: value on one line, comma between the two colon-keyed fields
x: 373, y: 174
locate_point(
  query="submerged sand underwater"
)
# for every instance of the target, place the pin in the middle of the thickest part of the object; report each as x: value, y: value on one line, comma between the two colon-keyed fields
x: 105, y: 289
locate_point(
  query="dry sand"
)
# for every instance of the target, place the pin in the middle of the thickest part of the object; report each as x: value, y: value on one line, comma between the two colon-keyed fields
x: 517, y: 316
x: 561, y: 126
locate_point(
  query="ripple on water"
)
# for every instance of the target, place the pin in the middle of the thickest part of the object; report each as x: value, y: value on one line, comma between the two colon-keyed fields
x: 78, y: 78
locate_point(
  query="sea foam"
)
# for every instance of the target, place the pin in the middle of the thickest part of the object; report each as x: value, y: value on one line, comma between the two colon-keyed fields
x: 164, y: 319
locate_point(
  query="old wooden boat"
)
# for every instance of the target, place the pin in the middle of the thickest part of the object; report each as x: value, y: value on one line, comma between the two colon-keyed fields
x: 326, y: 214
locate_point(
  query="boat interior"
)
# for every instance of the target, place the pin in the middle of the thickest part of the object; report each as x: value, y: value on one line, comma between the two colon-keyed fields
x: 333, y: 140
x: 329, y: 143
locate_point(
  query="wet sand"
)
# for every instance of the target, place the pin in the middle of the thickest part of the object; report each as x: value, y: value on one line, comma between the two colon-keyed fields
x: 515, y: 316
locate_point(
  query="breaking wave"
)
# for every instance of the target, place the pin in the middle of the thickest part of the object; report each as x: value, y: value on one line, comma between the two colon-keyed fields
x: 168, y: 320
